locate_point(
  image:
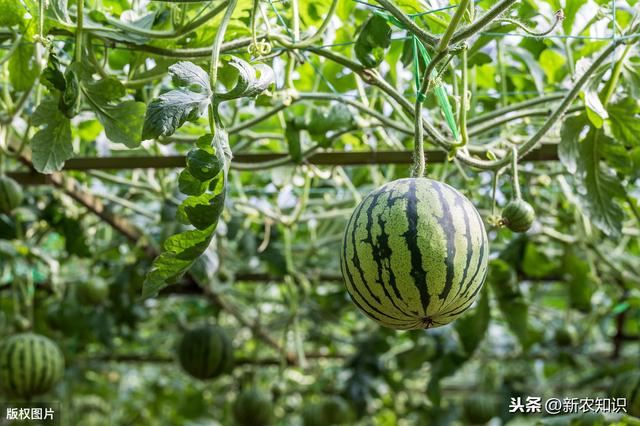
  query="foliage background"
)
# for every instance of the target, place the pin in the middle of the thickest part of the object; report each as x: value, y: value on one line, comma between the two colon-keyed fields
x: 270, y: 274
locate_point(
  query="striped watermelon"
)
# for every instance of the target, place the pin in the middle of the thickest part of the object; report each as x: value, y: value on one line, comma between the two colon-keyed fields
x: 518, y: 215
x: 253, y: 408
x: 10, y: 194
x: 414, y: 254
x: 30, y: 364
x: 205, y: 352
x: 480, y: 408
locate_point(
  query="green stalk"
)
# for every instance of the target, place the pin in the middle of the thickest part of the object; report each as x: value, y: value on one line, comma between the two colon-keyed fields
x: 483, y: 21
x: 217, y: 43
x: 453, y: 25
x: 514, y: 173
x: 79, y: 25
x: 192, y: 26
x: 464, y: 138
x: 615, y: 76
x: 418, y: 147
x: 422, y: 35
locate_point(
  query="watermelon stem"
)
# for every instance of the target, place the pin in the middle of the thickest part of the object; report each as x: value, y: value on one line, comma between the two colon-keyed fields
x: 514, y: 173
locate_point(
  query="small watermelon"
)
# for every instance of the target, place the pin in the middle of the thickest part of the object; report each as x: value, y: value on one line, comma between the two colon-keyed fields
x: 30, y: 365
x: 627, y: 386
x: 518, y: 215
x: 93, y: 292
x: 10, y: 194
x: 253, y: 408
x: 205, y: 352
x: 414, y: 254
x: 479, y: 409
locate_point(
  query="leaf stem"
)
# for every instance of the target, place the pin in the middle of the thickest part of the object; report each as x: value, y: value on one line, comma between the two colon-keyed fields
x: 418, y: 147
x: 462, y: 116
x: 615, y: 76
x: 483, y: 21
x: 79, y: 25
x: 191, y: 26
x: 514, y: 173
x: 422, y: 35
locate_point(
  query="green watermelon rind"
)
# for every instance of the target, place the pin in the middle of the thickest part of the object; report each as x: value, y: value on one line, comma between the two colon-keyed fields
x: 414, y: 254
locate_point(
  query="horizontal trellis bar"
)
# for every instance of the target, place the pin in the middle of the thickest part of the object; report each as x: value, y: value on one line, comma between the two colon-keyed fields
x: 545, y: 153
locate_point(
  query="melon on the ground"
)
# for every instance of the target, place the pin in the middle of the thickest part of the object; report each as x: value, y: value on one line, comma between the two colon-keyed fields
x: 205, y: 352
x: 30, y: 365
x: 414, y: 254
x: 253, y: 408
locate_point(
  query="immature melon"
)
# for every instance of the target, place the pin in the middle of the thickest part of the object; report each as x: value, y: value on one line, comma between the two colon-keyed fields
x: 414, y: 254
x: 479, y: 409
x: 253, y: 408
x: 30, y: 365
x: 93, y: 292
x: 331, y: 411
x: 518, y: 215
x: 205, y: 352
x: 10, y: 194
x: 627, y: 386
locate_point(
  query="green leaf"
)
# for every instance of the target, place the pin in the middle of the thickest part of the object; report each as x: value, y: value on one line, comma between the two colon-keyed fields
x: 581, y: 284
x: 472, y: 327
x: 569, y: 148
x: 122, y: 121
x: 602, y: 187
x: 624, y: 119
x: 373, y: 41
x: 180, y: 251
x: 171, y: 110
x: 23, y: 69
x: 294, y: 143
x: 631, y: 75
x: 191, y: 76
x: 104, y: 90
x: 202, y: 211
x: 12, y: 13
x: 203, y: 164
x: 552, y: 63
x: 189, y: 185
x: 510, y: 300
x: 536, y: 262
x: 335, y: 118
x: 52, y: 145
x: 593, y: 105
x: 249, y: 83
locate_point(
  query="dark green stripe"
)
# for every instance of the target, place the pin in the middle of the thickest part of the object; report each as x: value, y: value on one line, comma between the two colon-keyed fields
x: 48, y: 368
x: 481, y: 255
x: 34, y: 363
x: 467, y: 232
x: 348, y: 274
x: 352, y: 221
x: 381, y: 251
x: 472, y: 297
x: 355, y: 259
x: 418, y: 274
x: 446, y: 223
x: 22, y: 365
x: 205, y: 345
